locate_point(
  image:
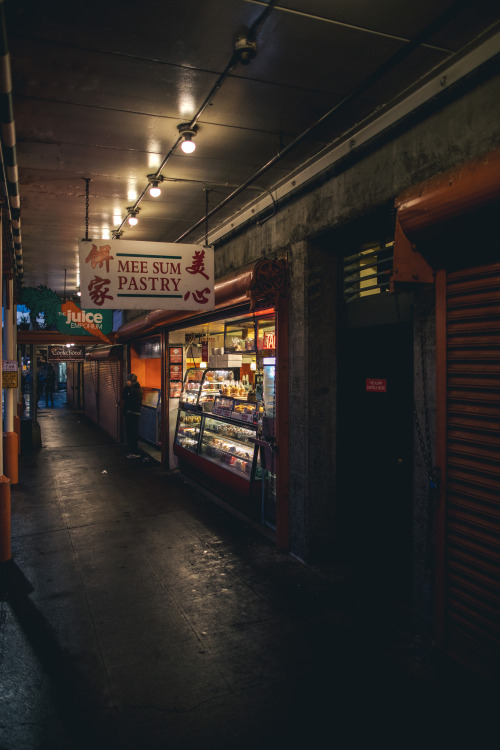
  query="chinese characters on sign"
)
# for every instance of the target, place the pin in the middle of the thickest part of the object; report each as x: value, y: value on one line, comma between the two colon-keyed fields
x: 124, y: 275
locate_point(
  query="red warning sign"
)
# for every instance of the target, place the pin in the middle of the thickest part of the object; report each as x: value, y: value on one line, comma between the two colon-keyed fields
x: 376, y: 385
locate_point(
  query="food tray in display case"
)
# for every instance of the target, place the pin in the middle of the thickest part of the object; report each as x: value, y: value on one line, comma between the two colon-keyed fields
x: 234, y: 408
x: 229, y: 446
x: 188, y: 430
x: 213, y: 384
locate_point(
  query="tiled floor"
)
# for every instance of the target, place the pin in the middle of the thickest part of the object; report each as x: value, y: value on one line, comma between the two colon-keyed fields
x: 137, y: 614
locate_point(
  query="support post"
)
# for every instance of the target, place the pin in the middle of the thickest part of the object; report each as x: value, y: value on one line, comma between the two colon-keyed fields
x: 5, y: 530
x: 11, y: 442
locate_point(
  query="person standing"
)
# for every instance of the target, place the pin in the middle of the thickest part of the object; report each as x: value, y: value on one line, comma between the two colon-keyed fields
x: 132, y: 402
x: 50, y: 384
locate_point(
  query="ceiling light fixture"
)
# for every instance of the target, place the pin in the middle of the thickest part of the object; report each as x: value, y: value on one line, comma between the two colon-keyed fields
x: 132, y: 216
x: 154, y: 182
x: 187, y: 132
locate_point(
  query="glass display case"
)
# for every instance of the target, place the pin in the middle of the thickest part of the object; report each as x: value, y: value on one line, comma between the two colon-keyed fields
x: 239, y: 335
x: 229, y: 445
x: 188, y: 430
x: 201, y: 387
x: 191, y: 388
x: 236, y: 408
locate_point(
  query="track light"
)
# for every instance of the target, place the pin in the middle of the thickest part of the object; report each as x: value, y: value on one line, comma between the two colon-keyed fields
x: 154, y: 185
x: 187, y: 132
x: 132, y: 216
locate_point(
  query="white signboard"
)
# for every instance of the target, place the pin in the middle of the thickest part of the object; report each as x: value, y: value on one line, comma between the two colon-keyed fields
x: 9, y: 365
x: 126, y: 275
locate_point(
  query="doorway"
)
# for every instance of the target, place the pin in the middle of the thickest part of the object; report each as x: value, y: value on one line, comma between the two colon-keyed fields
x: 374, y: 457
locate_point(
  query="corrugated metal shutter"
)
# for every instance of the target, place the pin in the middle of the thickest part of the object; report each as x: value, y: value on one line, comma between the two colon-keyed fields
x: 472, y: 512
x: 109, y: 397
x: 90, y: 389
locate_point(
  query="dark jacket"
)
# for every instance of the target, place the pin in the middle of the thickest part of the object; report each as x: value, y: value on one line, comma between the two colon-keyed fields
x: 132, y: 398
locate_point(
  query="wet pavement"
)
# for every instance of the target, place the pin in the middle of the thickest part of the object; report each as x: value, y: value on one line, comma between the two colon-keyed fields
x: 136, y: 613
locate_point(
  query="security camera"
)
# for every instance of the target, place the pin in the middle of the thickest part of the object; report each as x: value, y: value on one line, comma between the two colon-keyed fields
x: 245, y: 49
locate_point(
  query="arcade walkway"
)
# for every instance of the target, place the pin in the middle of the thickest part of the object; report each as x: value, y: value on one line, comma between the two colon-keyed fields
x: 137, y: 614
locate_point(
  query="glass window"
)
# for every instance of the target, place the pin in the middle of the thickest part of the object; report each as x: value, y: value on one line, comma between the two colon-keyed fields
x: 239, y: 336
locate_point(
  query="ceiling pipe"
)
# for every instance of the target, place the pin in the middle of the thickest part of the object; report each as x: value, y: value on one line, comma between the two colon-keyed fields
x: 9, y: 154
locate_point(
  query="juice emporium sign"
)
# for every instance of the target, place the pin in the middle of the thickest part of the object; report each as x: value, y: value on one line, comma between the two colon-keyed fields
x: 124, y: 275
x: 67, y: 316
x: 80, y: 322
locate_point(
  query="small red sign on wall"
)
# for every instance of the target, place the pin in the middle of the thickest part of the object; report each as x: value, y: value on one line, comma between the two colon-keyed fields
x: 376, y: 385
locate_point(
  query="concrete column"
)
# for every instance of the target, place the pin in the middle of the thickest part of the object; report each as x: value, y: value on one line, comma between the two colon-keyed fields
x: 313, y: 398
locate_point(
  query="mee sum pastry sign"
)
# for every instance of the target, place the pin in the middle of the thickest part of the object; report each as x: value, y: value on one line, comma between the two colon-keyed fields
x: 126, y: 275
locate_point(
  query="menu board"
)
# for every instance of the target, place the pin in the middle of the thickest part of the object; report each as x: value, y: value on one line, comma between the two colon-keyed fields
x: 175, y: 360
x: 175, y: 355
x: 175, y: 388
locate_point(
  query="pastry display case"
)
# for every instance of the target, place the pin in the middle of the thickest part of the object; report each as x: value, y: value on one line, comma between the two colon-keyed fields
x: 187, y: 432
x: 202, y: 386
x: 239, y: 409
x: 229, y: 445
x: 191, y: 388
x: 215, y: 437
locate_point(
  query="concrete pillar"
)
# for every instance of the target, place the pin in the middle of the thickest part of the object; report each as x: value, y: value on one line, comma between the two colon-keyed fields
x: 312, y: 278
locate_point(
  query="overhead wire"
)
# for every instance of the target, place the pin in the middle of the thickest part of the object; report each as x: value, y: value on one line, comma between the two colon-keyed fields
x: 232, y: 63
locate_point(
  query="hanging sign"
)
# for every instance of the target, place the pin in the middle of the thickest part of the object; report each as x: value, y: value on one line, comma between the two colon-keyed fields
x: 127, y: 275
x: 73, y: 320
x: 66, y: 316
x: 66, y: 353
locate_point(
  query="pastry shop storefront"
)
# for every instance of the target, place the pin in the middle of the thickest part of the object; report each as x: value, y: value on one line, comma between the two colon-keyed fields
x: 224, y: 388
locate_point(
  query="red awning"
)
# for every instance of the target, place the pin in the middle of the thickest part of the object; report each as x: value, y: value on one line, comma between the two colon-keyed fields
x: 447, y: 211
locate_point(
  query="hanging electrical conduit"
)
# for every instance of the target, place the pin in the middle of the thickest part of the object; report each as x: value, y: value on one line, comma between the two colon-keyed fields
x: 411, y: 45
x: 233, y: 62
x: 8, y: 149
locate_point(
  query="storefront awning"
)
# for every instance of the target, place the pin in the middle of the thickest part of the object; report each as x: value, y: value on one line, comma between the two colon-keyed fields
x: 232, y: 291
x: 448, y: 211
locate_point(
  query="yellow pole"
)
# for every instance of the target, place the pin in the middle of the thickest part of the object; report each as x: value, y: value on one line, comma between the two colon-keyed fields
x: 5, y: 531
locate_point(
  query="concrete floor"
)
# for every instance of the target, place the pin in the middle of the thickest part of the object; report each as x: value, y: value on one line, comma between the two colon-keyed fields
x: 137, y: 614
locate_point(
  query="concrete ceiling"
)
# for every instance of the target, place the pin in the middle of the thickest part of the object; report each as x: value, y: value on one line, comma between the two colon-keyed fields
x: 99, y: 89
